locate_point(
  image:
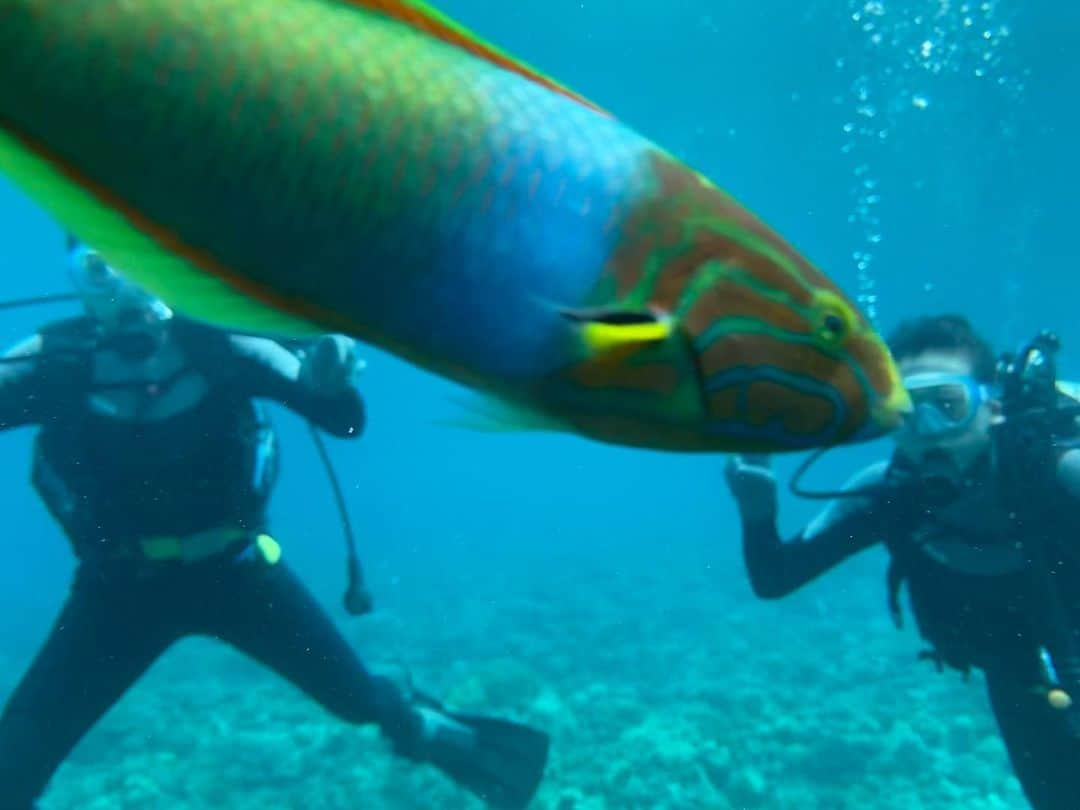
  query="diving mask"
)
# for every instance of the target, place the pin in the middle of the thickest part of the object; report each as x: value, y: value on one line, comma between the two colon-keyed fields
x: 943, y: 404
x: 120, y: 305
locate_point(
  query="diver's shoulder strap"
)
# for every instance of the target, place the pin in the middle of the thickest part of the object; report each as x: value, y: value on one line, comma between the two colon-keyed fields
x: 208, y: 348
x: 70, y: 336
x: 67, y: 347
x: 199, y: 339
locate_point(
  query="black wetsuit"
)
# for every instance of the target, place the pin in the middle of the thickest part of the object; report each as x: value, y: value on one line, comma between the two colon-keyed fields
x: 113, y: 482
x: 969, y: 591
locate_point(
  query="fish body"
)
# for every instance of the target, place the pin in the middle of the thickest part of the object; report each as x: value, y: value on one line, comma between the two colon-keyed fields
x: 367, y: 167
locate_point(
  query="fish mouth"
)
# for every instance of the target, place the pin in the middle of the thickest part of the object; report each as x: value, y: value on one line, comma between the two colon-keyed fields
x: 888, y: 413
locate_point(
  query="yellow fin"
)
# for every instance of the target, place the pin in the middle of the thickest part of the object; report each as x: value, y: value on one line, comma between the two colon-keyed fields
x: 603, y: 337
x: 607, y: 329
x: 182, y: 285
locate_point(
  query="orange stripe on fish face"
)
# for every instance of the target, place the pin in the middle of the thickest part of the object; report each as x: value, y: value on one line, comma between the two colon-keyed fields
x: 800, y: 413
x: 631, y: 258
x: 755, y: 406
x: 685, y: 223
x: 753, y: 353
x: 759, y: 403
x: 723, y: 405
x: 870, y: 356
x: 690, y: 250
x: 730, y: 298
x: 615, y: 369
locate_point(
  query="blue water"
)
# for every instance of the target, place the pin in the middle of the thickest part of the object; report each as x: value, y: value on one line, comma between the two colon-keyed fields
x: 600, y: 590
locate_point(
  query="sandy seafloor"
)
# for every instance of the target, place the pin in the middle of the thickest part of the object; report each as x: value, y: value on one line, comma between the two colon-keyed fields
x: 661, y: 688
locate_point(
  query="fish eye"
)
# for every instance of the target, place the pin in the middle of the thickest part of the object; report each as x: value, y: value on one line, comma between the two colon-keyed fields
x: 831, y: 319
x: 834, y: 326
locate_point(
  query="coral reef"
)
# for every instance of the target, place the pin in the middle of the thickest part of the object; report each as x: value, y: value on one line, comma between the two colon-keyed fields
x: 662, y: 688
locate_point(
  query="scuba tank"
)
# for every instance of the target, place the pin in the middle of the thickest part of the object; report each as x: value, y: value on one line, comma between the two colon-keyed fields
x: 1039, y: 420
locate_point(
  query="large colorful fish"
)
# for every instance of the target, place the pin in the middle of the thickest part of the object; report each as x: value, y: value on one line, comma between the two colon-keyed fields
x: 368, y: 167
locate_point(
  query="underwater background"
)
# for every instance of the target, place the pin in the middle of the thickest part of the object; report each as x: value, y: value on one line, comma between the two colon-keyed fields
x: 923, y: 153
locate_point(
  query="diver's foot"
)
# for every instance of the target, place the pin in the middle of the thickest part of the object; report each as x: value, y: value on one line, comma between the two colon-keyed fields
x: 500, y: 761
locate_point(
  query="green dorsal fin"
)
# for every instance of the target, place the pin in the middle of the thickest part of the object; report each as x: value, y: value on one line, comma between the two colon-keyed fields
x: 423, y: 17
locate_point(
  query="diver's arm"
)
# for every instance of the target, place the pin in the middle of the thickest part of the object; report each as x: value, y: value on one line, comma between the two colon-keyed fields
x: 24, y: 392
x: 777, y: 568
x: 264, y: 368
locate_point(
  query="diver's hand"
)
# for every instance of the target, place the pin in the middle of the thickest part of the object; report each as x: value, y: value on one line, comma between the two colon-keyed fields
x: 751, y: 480
x: 331, y: 365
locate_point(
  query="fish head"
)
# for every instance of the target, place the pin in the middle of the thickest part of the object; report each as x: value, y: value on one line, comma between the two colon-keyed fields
x: 737, y: 368
x: 769, y: 353
x: 786, y: 373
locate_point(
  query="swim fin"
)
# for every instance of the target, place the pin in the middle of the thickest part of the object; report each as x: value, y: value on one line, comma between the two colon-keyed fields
x: 499, y: 760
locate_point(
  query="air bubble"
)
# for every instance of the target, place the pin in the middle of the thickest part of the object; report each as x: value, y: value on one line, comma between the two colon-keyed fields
x: 941, y: 39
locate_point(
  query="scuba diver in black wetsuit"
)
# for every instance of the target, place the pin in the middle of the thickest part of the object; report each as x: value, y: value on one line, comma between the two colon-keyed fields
x: 154, y: 458
x: 978, y: 510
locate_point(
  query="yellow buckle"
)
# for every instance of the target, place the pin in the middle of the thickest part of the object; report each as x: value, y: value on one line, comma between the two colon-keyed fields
x: 269, y: 547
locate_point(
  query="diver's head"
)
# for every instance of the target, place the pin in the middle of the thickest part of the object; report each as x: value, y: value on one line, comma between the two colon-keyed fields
x: 133, y: 321
x: 948, y: 369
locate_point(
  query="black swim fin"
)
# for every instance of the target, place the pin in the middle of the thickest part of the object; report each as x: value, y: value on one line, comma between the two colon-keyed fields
x: 499, y: 760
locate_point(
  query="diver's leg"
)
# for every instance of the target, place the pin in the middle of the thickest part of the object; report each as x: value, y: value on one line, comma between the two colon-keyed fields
x: 1045, y: 756
x: 272, y: 617
x: 97, y: 648
x: 266, y: 612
